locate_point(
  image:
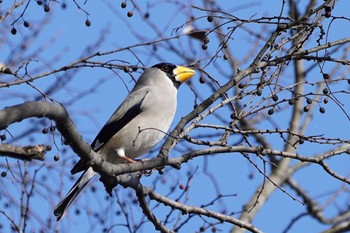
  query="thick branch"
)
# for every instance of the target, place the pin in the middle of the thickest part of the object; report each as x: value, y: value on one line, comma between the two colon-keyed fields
x: 27, y: 153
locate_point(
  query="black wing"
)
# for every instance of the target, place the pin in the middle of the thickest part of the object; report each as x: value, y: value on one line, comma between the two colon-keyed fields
x: 114, y: 124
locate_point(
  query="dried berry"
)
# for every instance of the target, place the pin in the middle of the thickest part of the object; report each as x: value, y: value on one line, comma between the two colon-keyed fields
x: 275, y: 97
x: 306, y: 108
x: 225, y: 56
x: 126, y: 69
x: 130, y: 13
x: 271, y: 111
x: 322, y: 110
x: 45, y: 130
x: 52, y: 128
x: 87, y: 22
x: 13, y: 31
x: 325, y: 91
x: 241, y: 85
x: 328, y: 14
x: 123, y: 4
x: 325, y: 100
x: 326, y: 76
x: 205, y: 40
x: 204, y: 46
x: 47, y: 8
x: 202, y: 80
x: 3, y: 174
x: 210, y: 18
x: 39, y: 2
x: 308, y: 101
x: 291, y: 101
x: 26, y: 24
x: 56, y: 158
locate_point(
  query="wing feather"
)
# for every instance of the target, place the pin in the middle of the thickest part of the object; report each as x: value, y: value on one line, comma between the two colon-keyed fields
x: 128, y: 110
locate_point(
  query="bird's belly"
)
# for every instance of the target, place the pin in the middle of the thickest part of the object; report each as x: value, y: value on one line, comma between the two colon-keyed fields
x: 136, y: 141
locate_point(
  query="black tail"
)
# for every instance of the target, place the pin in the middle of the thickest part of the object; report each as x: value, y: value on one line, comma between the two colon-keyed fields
x: 73, y: 193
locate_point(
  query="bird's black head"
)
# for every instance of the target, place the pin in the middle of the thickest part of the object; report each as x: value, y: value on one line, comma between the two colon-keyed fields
x: 177, y: 74
x: 168, y: 69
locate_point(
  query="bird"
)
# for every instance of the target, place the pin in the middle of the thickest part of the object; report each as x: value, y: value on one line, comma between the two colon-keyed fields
x: 136, y: 126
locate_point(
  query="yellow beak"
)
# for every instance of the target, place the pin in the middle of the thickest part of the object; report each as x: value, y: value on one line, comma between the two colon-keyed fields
x: 183, y: 73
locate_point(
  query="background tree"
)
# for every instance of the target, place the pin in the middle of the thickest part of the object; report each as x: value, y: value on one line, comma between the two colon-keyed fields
x: 260, y: 142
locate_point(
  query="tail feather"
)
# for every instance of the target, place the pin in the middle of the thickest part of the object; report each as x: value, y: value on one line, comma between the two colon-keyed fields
x: 73, y: 193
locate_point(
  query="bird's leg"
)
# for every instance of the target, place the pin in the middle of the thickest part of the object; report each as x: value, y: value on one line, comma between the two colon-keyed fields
x: 127, y: 159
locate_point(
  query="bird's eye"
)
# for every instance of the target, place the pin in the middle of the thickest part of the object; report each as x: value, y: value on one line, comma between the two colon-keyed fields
x: 165, y: 68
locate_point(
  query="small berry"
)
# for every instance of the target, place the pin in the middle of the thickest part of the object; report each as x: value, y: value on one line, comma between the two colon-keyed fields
x: 39, y: 2
x: 205, y: 40
x: 182, y: 187
x: 328, y: 14
x: 47, y: 8
x: 308, y: 101
x: 204, y: 46
x: 326, y: 76
x: 202, y: 80
x: 291, y: 101
x: 123, y: 4
x: 275, y: 97
x: 328, y: 9
x: 45, y: 130
x: 3, y: 137
x: 130, y: 13
x: 325, y: 91
x: 271, y: 111
x: 88, y: 23
x: 126, y: 69
x: 241, y: 85
x: 233, y: 116
x: 52, y: 128
x: 134, y: 68
x: 325, y: 100
x: 56, y: 158
x: 26, y: 24
x: 64, y: 6
x: 146, y: 15
x: 3, y: 174
x: 210, y: 18
x: 322, y: 110
x: 225, y: 57
x: 306, y: 108
x: 13, y: 31
x: 48, y: 148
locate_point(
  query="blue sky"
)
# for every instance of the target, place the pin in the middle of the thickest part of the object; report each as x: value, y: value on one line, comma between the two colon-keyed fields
x: 65, y: 37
